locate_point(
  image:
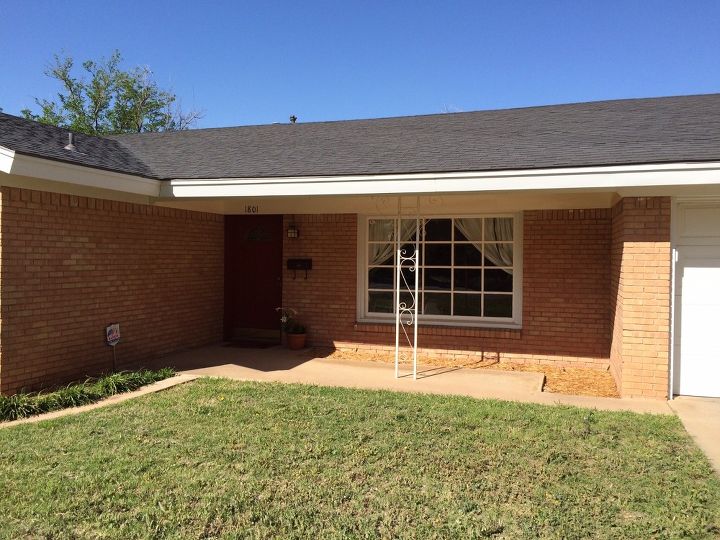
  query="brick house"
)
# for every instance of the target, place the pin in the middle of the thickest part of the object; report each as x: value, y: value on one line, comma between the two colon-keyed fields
x: 584, y: 234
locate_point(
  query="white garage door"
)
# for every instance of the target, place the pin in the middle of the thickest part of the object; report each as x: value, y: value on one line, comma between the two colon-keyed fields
x: 697, y: 300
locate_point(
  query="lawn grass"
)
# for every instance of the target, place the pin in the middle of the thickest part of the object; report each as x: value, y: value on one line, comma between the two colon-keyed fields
x: 222, y: 459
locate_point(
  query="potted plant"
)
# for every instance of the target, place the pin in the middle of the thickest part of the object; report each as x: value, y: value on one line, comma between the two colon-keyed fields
x: 295, y: 332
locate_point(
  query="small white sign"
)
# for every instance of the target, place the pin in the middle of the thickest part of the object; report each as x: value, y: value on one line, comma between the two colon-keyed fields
x: 112, y: 334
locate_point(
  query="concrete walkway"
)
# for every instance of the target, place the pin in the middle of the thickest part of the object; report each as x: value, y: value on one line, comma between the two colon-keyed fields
x: 701, y: 418
x: 281, y: 365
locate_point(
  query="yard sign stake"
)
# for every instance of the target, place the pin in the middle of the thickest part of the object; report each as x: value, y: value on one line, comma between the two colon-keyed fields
x: 112, y: 338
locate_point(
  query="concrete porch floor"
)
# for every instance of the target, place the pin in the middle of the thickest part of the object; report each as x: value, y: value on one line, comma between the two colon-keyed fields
x: 278, y: 364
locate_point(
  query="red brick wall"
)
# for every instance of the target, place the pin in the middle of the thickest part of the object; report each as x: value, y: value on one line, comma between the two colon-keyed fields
x: 642, y: 288
x: 325, y: 301
x: 566, y: 293
x: 71, y: 265
x: 616, y: 295
x: 596, y: 288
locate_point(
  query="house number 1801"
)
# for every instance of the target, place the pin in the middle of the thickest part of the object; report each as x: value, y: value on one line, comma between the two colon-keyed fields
x: 251, y: 209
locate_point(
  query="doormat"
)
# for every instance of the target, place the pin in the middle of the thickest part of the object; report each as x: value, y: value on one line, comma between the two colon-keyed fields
x: 250, y: 344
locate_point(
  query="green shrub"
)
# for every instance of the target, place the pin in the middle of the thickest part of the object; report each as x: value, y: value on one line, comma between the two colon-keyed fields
x: 23, y: 404
x: 18, y: 406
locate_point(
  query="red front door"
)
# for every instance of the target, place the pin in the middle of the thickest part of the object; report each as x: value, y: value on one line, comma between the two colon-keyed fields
x: 253, y: 276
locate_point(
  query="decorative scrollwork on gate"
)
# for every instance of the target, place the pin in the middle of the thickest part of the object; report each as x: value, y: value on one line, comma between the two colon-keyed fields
x: 406, y: 310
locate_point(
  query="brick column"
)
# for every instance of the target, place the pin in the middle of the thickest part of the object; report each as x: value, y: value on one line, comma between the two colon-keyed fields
x: 640, y: 289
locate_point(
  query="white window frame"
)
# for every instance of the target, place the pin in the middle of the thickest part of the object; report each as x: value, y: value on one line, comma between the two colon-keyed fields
x: 442, y: 320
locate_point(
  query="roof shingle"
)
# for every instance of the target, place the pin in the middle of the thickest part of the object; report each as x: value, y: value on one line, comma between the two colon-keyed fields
x: 635, y: 131
x: 40, y: 140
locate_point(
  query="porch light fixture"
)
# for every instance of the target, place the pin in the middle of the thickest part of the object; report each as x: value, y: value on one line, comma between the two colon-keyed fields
x: 293, y: 231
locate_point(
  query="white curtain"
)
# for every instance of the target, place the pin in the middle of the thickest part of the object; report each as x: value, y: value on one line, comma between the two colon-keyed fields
x: 496, y: 230
x: 385, y: 229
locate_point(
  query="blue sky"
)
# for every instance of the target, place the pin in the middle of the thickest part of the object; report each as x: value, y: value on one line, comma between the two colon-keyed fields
x: 259, y: 62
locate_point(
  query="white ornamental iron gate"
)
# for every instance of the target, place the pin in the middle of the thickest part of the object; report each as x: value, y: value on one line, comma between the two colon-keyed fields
x: 406, y: 294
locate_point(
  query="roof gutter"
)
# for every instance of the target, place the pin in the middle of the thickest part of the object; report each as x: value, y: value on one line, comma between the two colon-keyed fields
x: 7, y: 157
x: 13, y: 163
x: 578, y: 178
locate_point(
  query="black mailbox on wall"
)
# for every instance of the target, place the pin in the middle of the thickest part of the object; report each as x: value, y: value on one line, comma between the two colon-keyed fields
x: 299, y: 264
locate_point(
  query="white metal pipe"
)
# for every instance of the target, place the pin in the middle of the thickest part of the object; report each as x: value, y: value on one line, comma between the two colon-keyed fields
x: 397, y: 290
x: 671, y: 340
x: 397, y: 314
x: 673, y: 274
x: 397, y: 319
x: 417, y: 297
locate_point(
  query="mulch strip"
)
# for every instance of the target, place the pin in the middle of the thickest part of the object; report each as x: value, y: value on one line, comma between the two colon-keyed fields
x: 559, y: 380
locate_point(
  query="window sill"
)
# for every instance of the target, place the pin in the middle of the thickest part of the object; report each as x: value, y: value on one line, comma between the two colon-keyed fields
x: 463, y: 325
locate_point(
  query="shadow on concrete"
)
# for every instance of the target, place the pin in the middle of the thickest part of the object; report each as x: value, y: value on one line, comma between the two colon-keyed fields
x: 264, y: 358
x: 432, y: 371
x: 424, y: 373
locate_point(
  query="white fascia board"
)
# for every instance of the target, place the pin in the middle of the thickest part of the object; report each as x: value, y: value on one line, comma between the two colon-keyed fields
x: 59, y: 171
x: 7, y: 157
x: 675, y: 174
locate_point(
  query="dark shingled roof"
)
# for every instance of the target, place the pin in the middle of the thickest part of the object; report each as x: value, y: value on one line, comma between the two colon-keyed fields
x: 35, y: 139
x: 632, y: 131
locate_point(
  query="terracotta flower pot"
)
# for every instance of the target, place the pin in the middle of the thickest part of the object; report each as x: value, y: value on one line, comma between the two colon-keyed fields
x: 296, y: 341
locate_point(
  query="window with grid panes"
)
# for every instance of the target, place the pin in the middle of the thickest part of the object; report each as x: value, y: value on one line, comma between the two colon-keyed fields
x: 467, y: 267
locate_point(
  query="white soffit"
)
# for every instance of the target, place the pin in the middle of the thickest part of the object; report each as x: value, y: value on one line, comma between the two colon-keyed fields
x: 427, y: 205
x: 676, y: 174
x: 59, y: 171
x: 7, y: 157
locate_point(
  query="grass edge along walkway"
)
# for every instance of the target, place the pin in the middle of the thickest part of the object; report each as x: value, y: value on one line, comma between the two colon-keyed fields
x: 77, y: 397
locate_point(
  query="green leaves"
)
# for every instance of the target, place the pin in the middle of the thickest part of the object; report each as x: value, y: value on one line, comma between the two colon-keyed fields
x: 106, y: 99
x: 74, y: 395
x: 140, y: 105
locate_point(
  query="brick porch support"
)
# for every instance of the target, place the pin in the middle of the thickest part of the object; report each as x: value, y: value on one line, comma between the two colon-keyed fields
x: 640, y: 296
